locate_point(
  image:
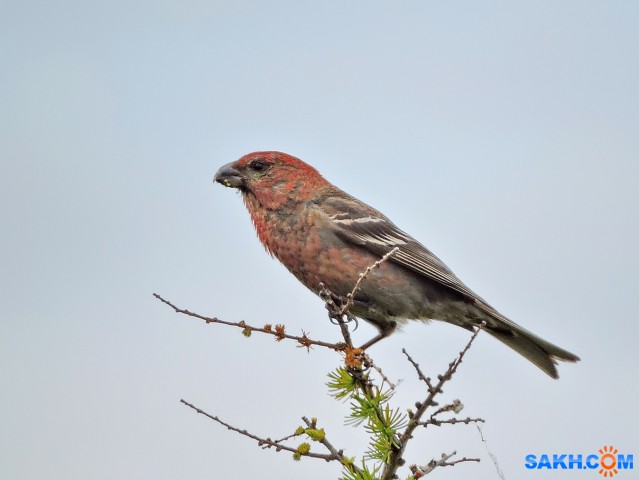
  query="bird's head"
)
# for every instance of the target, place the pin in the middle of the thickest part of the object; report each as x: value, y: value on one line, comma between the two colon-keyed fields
x: 272, y: 178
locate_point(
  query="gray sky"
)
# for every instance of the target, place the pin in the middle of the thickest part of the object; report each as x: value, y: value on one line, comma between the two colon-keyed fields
x: 502, y: 135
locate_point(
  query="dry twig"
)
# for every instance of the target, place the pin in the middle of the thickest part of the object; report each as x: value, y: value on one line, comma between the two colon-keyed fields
x: 419, y: 472
x: 396, y: 459
x: 278, y: 332
x: 263, y: 442
x: 362, y: 276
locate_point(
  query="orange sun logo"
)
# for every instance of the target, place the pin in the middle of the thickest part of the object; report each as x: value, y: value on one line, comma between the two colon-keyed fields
x: 608, y: 461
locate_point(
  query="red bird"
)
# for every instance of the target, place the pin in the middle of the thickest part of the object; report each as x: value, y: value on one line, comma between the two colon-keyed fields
x: 322, y: 234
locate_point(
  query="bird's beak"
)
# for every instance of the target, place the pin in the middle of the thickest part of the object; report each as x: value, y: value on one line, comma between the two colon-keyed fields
x: 229, y: 177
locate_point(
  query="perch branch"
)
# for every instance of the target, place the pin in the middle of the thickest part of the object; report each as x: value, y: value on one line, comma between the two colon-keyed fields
x: 278, y: 332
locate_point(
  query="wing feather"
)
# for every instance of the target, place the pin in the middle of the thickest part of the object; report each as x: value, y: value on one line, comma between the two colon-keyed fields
x: 373, y: 231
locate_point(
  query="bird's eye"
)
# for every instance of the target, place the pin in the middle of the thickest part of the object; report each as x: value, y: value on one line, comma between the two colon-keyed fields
x: 258, y: 165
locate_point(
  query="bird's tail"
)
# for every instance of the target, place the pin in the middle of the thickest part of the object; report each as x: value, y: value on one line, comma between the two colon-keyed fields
x: 539, y: 351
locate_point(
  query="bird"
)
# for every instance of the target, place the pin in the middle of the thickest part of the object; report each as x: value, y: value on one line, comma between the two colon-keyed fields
x: 326, y: 238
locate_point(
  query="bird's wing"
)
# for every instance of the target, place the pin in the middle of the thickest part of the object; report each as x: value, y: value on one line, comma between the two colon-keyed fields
x: 369, y: 229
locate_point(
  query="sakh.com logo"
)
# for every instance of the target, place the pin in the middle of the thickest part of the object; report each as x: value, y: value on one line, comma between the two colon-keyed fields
x: 607, y: 463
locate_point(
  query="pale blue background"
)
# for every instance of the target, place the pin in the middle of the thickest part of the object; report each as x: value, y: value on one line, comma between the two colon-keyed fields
x: 504, y: 135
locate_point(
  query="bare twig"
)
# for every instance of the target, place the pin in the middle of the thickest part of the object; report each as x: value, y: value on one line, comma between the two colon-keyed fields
x: 283, y: 439
x: 264, y: 442
x: 362, y: 276
x: 491, y: 454
x: 368, y: 361
x: 455, y: 406
x: 419, y: 472
x: 452, y: 421
x: 396, y: 455
x: 278, y: 332
x: 420, y: 374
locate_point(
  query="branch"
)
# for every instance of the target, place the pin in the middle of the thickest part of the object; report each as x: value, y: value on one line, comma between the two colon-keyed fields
x: 385, y: 424
x: 491, y: 454
x: 419, y: 472
x: 396, y: 459
x: 337, y: 454
x: 420, y: 374
x: 451, y: 421
x: 456, y: 406
x: 266, y: 442
x: 279, y: 332
x: 368, y: 362
x: 362, y: 276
